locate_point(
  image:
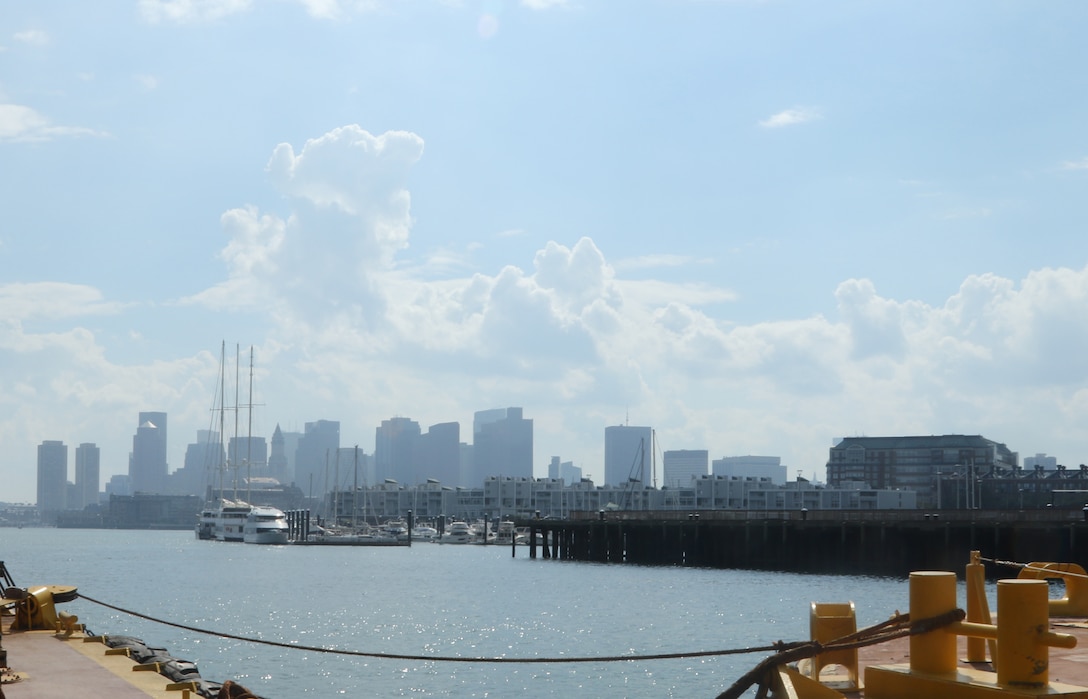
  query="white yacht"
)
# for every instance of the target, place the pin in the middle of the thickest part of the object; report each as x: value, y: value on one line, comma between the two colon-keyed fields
x: 230, y: 520
x: 457, y: 533
x: 265, y: 525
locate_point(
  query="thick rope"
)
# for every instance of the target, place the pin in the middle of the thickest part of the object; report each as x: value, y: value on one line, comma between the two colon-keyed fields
x: 898, y: 626
x: 447, y: 659
x: 1028, y: 566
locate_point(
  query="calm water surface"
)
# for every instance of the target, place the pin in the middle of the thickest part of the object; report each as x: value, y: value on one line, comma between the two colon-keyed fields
x: 441, y: 600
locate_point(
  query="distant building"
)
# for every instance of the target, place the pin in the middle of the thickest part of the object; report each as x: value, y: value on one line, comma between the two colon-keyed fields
x: 920, y: 464
x: 87, y: 475
x: 52, y: 479
x: 440, y: 454
x: 565, y: 471
x: 680, y: 466
x: 396, y: 450
x: 147, y: 464
x: 249, y: 455
x: 205, y: 460
x: 628, y: 454
x: 502, y: 444
x: 277, y: 457
x: 750, y: 467
x: 317, y: 448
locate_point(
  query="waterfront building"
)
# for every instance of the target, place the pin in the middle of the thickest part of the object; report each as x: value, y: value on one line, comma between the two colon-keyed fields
x: 921, y: 464
x: 750, y: 467
x: 87, y: 475
x: 396, y: 450
x: 316, y: 449
x: 680, y: 466
x: 52, y: 479
x: 147, y: 466
x: 502, y: 444
x: 628, y: 455
x: 507, y: 497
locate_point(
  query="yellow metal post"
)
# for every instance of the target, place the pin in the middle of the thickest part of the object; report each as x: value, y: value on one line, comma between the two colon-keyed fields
x: 1023, y: 636
x: 978, y: 610
x: 932, y: 593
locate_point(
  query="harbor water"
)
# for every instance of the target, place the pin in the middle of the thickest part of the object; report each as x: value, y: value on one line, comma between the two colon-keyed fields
x: 436, y: 600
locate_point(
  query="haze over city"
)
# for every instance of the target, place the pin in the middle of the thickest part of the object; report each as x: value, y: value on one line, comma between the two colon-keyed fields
x: 754, y: 226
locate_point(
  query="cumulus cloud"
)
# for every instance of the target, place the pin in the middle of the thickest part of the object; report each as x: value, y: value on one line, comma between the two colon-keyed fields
x: 791, y: 117
x: 1081, y: 164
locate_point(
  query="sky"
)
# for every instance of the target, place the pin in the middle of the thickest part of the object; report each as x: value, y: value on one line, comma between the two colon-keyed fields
x: 755, y: 226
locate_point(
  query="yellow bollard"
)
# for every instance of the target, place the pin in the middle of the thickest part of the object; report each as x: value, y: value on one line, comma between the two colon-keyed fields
x: 978, y: 610
x: 932, y: 593
x: 1075, y: 602
x: 1023, y: 657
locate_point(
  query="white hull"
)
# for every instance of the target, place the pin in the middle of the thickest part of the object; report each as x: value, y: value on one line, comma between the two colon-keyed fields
x: 265, y: 525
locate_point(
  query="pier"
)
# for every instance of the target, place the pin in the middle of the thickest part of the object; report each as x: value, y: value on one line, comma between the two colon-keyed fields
x: 835, y: 542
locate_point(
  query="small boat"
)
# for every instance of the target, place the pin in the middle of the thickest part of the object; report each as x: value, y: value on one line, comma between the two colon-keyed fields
x: 205, y: 524
x: 424, y: 533
x: 457, y: 533
x: 265, y: 525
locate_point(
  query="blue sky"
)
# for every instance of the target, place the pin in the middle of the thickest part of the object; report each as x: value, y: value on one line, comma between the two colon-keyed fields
x: 754, y: 226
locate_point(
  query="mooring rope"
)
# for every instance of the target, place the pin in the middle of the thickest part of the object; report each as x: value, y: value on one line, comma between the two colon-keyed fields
x: 779, y: 646
x: 898, y: 626
x: 1039, y: 569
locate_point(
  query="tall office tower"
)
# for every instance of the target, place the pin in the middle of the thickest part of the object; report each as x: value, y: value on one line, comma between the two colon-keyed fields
x: 314, y: 457
x: 396, y: 447
x: 147, y: 464
x: 553, y: 467
x: 503, y: 445
x: 440, y: 454
x: 277, y: 457
x: 249, y: 455
x: 52, y: 479
x: 628, y: 454
x: 681, y: 465
x: 205, y: 460
x: 87, y: 475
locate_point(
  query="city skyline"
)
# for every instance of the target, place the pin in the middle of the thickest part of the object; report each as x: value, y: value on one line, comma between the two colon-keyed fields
x: 757, y: 226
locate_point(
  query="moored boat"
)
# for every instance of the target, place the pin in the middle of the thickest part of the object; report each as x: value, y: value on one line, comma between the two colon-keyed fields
x: 265, y: 525
x: 457, y: 533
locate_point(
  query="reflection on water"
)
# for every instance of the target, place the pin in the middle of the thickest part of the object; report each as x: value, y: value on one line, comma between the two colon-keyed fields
x: 463, y: 601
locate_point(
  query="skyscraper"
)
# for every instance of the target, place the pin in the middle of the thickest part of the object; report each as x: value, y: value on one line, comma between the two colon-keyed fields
x: 503, y: 445
x: 396, y: 450
x: 147, y: 463
x: 87, y: 475
x: 317, y: 447
x: 628, y: 454
x: 440, y: 454
x: 52, y: 478
x: 681, y: 465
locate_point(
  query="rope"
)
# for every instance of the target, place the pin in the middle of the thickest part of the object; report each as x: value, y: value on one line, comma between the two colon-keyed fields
x: 779, y: 646
x: 898, y: 626
x: 1028, y: 566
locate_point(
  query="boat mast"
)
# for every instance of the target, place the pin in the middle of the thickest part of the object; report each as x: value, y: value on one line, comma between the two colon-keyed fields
x: 234, y: 453
x: 355, y: 492
x: 249, y: 437
x: 222, y: 454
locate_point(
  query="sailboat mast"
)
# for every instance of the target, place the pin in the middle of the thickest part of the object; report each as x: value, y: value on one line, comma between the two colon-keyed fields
x: 249, y: 437
x: 234, y: 452
x: 222, y: 418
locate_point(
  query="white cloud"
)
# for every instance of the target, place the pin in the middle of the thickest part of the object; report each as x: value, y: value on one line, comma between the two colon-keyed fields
x: 1081, y: 164
x: 184, y: 11
x: 33, y: 37
x: 544, y: 4
x: 148, y: 82
x: 791, y: 117
x: 22, y: 123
